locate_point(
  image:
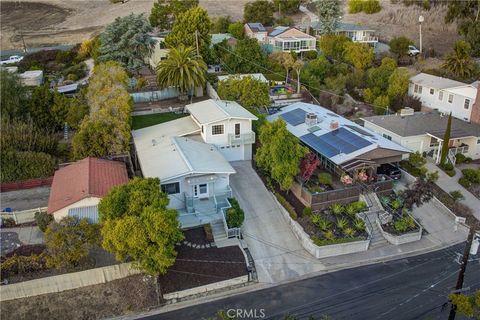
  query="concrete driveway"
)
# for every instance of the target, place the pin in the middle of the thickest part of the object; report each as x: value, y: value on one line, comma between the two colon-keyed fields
x: 278, y: 254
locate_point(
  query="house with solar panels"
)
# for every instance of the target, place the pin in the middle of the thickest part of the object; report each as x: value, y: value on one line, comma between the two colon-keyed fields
x: 283, y: 39
x: 341, y: 145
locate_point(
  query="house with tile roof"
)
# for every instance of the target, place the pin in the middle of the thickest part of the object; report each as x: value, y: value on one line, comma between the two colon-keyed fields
x: 79, y: 187
x: 283, y: 39
x: 424, y: 132
x: 447, y: 95
x: 191, y: 157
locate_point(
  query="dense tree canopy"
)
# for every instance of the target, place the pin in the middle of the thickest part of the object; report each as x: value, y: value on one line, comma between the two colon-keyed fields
x: 459, y: 62
x: 69, y: 241
x: 236, y: 30
x: 137, y: 225
x: 259, y: 11
x: 164, y: 12
x: 106, y: 131
x: 188, y: 24
x: 126, y: 40
x: 183, y: 69
x: 14, y: 99
x: 399, y: 45
x: 329, y: 12
x: 333, y: 45
x: 287, y: 6
x: 221, y: 24
x: 360, y: 55
x: 280, y: 153
x: 247, y: 91
x: 247, y: 57
x: 467, y: 14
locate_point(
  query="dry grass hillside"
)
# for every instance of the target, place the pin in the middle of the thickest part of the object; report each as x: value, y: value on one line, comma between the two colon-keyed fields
x: 47, y: 22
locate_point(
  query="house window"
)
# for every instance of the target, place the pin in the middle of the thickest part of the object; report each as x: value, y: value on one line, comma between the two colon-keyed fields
x: 440, y: 95
x: 171, y: 188
x: 466, y: 104
x: 432, y: 91
x: 217, y: 129
x: 386, y: 136
x: 202, y: 129
x: 417, y: 89
x: 450, y: 98
x: 420, y: 89
x: 237, y: 129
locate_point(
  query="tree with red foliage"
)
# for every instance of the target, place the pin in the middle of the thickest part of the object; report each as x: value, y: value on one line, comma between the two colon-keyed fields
x: 308, y: 165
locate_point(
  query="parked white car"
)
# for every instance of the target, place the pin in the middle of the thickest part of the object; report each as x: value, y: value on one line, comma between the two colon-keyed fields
x: 413, y: 51
x: 12, y: 59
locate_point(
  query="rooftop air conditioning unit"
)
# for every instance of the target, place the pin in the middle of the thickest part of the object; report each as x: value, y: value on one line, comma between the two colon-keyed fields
x: 311, y: 119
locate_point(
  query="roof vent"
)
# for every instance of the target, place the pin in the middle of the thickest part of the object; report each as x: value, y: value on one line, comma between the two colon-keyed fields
x: 311, y: 119
x: 333, y: 125
x: 406, y: 112
x: 154, y: 142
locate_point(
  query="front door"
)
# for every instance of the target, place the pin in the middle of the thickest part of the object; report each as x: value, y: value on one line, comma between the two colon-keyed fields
x: 200, y: 190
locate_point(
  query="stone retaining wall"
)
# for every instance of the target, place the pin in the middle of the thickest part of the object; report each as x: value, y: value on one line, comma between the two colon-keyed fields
x: 401, y: 239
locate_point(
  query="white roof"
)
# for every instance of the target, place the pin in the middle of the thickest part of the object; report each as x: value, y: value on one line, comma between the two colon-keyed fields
x: 468, y: 91
x: 174, y: 149
x: 32, y: 74
x: 324, y: 119
x: 209, y: 111
x: 256, y: 76
x: 432, y: 81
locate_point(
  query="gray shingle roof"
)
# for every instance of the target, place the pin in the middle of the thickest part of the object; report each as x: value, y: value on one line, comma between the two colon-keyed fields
x: 425, y: 122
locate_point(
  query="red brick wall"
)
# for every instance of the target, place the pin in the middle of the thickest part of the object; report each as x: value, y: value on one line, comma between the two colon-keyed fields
x: 475, y: 117
x: 26, y: 184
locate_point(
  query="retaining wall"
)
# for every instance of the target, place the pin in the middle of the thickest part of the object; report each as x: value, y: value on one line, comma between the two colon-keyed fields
x: 66, y: 281
x: 322, y: 251
x: 401, y: 239
x: 25, y: 184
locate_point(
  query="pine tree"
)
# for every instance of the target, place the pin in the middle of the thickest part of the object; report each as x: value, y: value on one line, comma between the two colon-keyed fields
x: 446, y: 139
x: 329, y: 12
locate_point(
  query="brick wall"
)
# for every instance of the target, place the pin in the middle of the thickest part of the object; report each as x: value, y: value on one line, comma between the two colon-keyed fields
x: 25, y: 184
x: 475, y: 117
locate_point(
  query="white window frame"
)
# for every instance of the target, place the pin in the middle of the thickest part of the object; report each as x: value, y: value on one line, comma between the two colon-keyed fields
x: 466, y: 104
x: 432, y: 91
x: 164, y: 187
x: 440, y: 95
x: 237, y: 135
x: 218, y: 126
x: 450, y: 95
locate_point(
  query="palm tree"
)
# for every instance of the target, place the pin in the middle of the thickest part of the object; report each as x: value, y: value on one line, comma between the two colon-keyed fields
x: 183, y: 69
x: 459, y: 62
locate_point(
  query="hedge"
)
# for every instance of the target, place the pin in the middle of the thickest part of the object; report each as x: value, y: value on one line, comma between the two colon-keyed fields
x: 235, y: 214
x: 286, y: 205
x: 23, y: 165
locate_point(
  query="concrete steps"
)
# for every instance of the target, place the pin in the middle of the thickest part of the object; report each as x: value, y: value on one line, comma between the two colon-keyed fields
x: 218, y: 231
x: 376, y: 238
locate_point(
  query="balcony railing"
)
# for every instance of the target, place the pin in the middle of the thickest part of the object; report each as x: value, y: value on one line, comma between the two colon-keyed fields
x: 365, y: 39
x: 244, y: 138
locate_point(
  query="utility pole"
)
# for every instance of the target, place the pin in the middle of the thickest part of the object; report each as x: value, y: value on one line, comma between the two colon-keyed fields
x: 463, y: 267
x: 420, y: 20
x: 196, y: 41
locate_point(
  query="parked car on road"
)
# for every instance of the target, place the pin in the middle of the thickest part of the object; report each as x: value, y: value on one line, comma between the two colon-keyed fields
x: 12, y: 59
x: 413, y: 51
x: 390, y: 171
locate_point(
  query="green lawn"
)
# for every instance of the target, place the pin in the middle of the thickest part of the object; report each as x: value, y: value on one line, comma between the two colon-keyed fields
x: 139, y: 122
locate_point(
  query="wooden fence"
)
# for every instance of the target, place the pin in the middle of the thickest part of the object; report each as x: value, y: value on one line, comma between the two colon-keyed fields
x: 25, y: 184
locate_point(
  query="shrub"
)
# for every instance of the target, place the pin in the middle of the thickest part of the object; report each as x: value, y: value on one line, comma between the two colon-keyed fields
x: 460, y: 158
x: 23, y: 264
x: 23, y: 165
x: 396, y: 204
x: 325, y: 178
x: 326, y: 242
x: 350, y: 209
x: 286, y: 205
x: 235, y: 214
x: 321, y: 223
x: 8, y: 222
x: 311, y: 55
x: 456, y: 195
x: 76, y: 71
x: 464, y: 182
x: 307, y: 211
x: 349, y: 232
x: 329, y: 235
x: 360, y: 206
x: 359, y: 224
x: 405, y: 223
x: 337, y: 208
x: 342, y: 223
x: 355, y: 6
x: 43, y: 219
x: 472, y: 175
x: 315, y: 189
x: 207, y: 228
x: 371, y: 6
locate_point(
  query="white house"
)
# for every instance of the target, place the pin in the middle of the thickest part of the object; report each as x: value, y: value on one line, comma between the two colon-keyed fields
x: 160, y: 50
x: 424, y: 131
x: 285, y: 39
x: 445, y: 95
x: 355, y: 32
x: 191, y: 157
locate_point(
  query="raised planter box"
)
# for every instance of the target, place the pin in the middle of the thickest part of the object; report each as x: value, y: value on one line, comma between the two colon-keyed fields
x: 401, y: 239
x: 322, y: 251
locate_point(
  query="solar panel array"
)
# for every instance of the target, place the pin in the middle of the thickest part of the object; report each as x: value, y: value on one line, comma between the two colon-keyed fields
x: 359, y: 130
x: 294, y: 117
x: 335, y: 142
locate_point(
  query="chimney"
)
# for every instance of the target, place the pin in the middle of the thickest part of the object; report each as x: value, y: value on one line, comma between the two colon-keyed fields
x: 475, y: 115
x: 334, y: 125
x: 406, y: 112
x: 311, y: 119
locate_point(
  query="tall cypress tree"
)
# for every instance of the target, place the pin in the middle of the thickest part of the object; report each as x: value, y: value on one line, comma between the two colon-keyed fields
x: 446, y: 139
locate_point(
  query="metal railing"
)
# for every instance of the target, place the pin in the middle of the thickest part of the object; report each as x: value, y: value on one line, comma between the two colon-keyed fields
x: 365, y: 39
x: 243, y: 138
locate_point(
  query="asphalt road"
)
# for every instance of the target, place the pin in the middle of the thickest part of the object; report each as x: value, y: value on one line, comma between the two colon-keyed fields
x: 413, y: 288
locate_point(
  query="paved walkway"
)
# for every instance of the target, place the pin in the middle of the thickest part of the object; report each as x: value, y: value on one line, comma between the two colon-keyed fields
x: 25, y: 199
x: 277, y: 253
x: 451, y: 183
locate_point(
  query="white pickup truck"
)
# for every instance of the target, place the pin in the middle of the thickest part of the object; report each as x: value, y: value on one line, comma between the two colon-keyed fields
x: 11, y: 59
x: 413, y: 51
